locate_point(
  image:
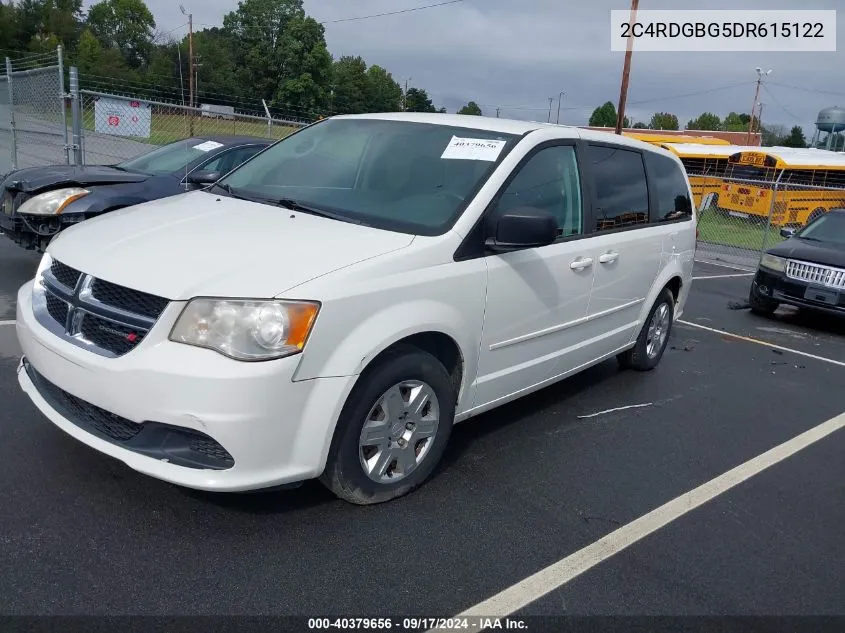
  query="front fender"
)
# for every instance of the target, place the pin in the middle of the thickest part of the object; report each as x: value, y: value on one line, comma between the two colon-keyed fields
x: 370, y: 337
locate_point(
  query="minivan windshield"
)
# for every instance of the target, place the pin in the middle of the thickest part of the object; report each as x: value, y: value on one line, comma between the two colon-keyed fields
x: 395, y: 175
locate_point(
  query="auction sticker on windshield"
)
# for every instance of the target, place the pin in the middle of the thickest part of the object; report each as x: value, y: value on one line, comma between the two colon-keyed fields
x: 473, y: 149
x: 208, y: 146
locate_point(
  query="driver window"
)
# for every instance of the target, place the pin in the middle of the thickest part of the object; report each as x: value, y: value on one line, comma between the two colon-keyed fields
x: 549, y: 181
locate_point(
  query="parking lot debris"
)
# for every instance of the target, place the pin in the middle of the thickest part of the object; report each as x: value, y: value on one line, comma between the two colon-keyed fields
x: 630, y: 406
x: 778, y: 352
x: 738, y: 305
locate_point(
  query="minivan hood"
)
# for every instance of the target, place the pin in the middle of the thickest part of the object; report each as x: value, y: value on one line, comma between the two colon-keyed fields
x: 199, y: 244
x: 33, y: 179
x: 826, y: 253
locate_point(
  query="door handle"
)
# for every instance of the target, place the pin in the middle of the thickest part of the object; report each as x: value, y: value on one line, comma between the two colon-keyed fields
x: 609, y: 258
x: 581, y: 264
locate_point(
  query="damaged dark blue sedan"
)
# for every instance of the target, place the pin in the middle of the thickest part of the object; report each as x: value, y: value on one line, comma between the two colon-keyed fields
x: 37, y: 203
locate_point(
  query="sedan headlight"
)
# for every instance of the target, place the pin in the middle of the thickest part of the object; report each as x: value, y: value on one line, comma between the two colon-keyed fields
x: 773, y: 263
x: 246, y: 330
x: 52, y: 202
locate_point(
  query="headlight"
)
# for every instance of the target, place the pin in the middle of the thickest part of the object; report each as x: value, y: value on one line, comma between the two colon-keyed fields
x: 773, y: 263
x: 246, y: 330
x: 52, y: 202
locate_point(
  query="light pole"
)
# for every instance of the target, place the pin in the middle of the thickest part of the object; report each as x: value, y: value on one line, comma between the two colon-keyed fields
x: 560, y: 95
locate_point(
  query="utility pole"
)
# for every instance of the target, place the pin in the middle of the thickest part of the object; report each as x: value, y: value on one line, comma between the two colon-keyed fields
x: 760, y: 75
x: 190, y: 65
x: 551, y: 99
x: 760, y: 121
x: 558, y: 105
x: 405, y: 96
x: 626, y: 70
x: 497, y: 112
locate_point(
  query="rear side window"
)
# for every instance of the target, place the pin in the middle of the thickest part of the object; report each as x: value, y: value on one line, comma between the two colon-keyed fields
x: 621, y: 188
x: 670, y: 189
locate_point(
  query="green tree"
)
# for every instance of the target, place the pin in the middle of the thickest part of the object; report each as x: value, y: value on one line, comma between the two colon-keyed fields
x: 349, y: 83
x: 384, y: 94
x: 639, y: 125
x: 126, y: 26
x: 417, y: 100
x: 63, y: 19
x: 306, y: 67
x: 735, y: 122
x: 663, y: 121
x: 604, y: 116
x: 705, y: 121
x: 471, y: 108
x: 218, y: 73
x: 8, y: 25
x: 795, y: 138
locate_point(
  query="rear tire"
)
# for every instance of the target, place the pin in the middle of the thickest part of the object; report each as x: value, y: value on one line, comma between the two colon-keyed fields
x: 388, y: 440
x: 653, y: 338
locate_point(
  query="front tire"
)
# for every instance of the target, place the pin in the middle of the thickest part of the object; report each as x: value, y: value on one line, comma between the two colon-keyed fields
x: 653, y: 338
x: 761, y: 306
x: 393, y: 429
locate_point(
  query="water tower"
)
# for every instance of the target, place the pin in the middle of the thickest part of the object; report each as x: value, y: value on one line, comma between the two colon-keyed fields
x: 830, y: 129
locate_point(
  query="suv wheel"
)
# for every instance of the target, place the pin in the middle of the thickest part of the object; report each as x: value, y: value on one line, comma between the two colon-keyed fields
x: 393, y: 429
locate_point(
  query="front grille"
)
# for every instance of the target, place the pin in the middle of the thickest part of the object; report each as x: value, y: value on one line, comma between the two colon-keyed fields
x: 179, y: 446
x: 106, y: 318
x: 109, y: 335
x: 84, y: 414
x: 127, y: 299
x: 207, y: 446
x: 816, y: 274
x: 64, y: 274
x: 57, y: 309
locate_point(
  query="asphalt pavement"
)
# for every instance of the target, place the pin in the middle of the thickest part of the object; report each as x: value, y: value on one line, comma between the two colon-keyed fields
x: 519, y: 489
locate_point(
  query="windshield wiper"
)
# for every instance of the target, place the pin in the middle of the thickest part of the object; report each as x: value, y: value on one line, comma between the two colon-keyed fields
x: 296, y: 205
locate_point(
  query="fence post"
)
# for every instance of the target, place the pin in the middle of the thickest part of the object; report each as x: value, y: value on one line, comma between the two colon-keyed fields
x: 62, y: 97
x: 769, y: 219
x: 76, y: 116
x: 14, y: 149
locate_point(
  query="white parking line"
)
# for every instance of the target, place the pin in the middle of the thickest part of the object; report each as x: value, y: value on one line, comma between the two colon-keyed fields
x: 763, y: 343
x: 558, y: 574
x: 7, y: 322
x: 724, y: 276
x: 709, y: 263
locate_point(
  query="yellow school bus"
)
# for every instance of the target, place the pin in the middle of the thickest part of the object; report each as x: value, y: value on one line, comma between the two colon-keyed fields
x: 706, y: 166
x: 810, y: 182
x: 660, y: 139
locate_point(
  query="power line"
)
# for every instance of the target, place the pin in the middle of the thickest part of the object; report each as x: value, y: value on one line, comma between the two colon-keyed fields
x: 779, y: 104
x: 379, y: 15
x: 811, y: 90
x: 690, y: 94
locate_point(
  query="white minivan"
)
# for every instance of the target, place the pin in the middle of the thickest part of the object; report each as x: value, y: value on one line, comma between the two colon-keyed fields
x: 333, y: 306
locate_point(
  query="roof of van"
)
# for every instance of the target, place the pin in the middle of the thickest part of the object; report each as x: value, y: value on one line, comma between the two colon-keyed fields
x: 504, y: 126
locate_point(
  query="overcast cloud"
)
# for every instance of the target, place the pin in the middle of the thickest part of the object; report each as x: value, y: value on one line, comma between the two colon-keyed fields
x: 506, y: 53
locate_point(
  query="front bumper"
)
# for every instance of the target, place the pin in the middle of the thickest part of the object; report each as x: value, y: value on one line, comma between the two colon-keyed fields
x: 258, y: 426
x: 776, y: 286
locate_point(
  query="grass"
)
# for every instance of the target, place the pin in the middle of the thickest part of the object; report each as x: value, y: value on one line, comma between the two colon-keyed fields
x: 717, y: 228
x: 168, y: 128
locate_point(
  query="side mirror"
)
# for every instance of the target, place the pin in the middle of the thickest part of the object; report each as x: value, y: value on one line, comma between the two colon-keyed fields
x: 788, y: 232
x: 520, y: 228
x: 204, y: 178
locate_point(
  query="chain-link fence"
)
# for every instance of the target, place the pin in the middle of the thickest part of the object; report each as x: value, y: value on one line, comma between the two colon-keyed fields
x: 33, y: 112
x: 118, y: 127
x: 740, y: 219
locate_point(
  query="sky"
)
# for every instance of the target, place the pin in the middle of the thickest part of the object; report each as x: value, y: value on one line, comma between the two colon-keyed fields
x: 516, y: 54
